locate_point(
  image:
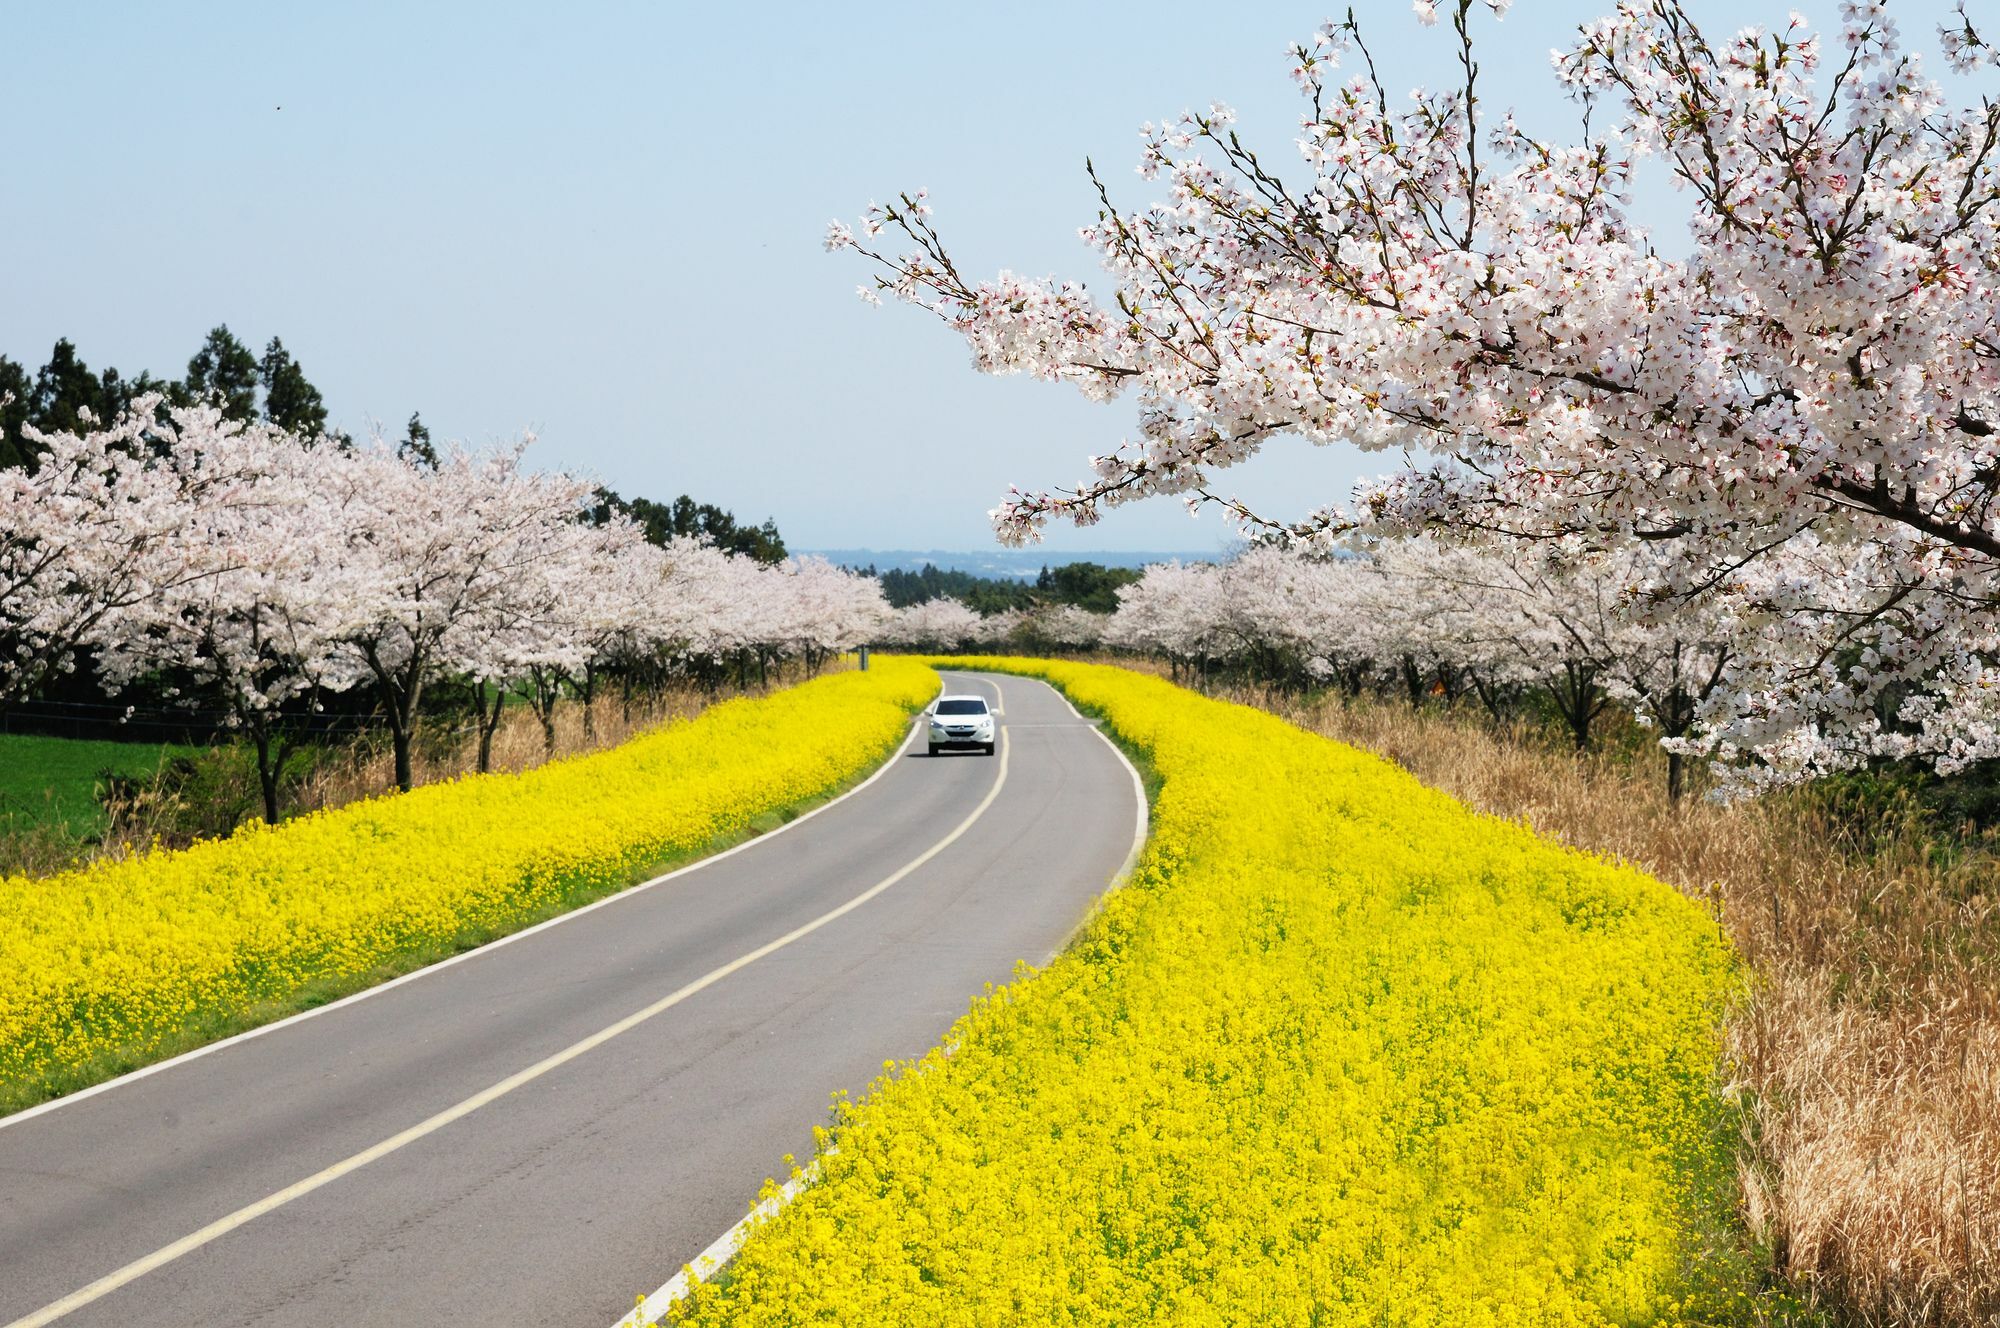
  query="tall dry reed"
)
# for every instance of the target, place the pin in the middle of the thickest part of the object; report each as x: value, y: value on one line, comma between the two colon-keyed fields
x: 1867, y: 1051
x: 368, y: 769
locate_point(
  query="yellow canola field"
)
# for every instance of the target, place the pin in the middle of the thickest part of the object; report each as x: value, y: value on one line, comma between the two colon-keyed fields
x: 119, y: 957
x: 1341, y: 1052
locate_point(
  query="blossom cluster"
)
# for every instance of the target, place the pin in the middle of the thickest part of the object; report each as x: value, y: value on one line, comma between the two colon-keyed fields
x: 118, y: 959
x: 1803, y: 410
x: 1340, y: 1052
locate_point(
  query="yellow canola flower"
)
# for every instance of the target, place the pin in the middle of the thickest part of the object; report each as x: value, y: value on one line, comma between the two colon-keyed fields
x: 1341, y: 1052
x: 120, y: 957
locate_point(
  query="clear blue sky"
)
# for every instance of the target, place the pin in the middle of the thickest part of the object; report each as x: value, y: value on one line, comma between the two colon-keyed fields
x: 603, y: 222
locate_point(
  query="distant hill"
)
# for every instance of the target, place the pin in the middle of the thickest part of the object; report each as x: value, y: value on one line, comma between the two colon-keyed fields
x: 1022, y: 564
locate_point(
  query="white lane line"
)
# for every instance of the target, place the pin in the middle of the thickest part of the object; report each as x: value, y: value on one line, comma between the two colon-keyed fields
x: 1142, y: 818
x: 723, y: 1248
x: 138, y: 1268
x: 720, y: 1251
x: 475, y: 953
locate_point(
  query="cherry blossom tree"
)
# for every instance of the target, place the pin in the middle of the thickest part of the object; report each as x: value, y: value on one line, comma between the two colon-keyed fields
x: 1438, y: 622
x: 427, y: 552
x: 997, y: 631
x: 1434, y: 627
x: 827, y: 609
x: 639, y: 629
x: 1573, y: 626
x: 1174, y: 610
x: 936, y: 624
x: 103, y: 524
x: 703, y: 604
x: 254, y: 632
x: 1065, y: 627
x: 1823, y: 366
x: 546, y: 623
x: 693, y: 605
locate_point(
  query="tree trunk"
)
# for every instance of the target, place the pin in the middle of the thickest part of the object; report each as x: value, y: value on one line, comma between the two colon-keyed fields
x: 1578, y: 700
x: 403, y: 733
x: 1676, y: 723
x: 1450, y: 684
x: 399, y: 693
x: 1489, y: 696
x: 399, y: 739
x: 488, y: 722
x: 268, y: 773
x: 544, y: 694
x: 1413, y: 680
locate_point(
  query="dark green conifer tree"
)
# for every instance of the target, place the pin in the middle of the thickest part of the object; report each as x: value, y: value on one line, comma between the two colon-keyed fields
x: 224, y: 372
x: 416, y: 445
x: 290, y: 402
x: 15, y: 389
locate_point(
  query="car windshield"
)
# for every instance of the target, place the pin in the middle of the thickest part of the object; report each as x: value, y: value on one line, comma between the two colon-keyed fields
x: 968, y: 706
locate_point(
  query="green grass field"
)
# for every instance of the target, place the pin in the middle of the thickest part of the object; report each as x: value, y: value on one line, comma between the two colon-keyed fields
x: 53, y: 781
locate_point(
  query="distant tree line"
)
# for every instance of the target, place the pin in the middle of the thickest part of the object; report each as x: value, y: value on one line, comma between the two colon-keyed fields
x: 684, y: 518
x: 1091, y: 586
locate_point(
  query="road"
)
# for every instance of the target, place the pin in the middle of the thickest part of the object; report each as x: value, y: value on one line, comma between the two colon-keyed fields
x: 544, y: 1129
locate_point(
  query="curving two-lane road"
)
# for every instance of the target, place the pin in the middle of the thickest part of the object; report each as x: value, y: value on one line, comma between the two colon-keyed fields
x: 543, y: 1129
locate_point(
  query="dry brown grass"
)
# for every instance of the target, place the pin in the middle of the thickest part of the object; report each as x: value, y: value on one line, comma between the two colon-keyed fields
x: 1867, y: 1052
x: 368, y: 770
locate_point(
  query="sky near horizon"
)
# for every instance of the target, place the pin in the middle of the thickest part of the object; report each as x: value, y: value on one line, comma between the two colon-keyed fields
x: 602, y: 222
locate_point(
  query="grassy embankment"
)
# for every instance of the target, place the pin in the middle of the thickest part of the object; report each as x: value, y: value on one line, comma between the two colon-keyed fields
x: 53, y: 783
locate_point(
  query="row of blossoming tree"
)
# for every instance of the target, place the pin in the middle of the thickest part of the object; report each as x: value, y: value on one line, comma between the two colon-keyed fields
x: 947, y: 624
x: 269, y: 571
x: 1436, y: 623
x: 1791, y: 429
x: 1428, y: 621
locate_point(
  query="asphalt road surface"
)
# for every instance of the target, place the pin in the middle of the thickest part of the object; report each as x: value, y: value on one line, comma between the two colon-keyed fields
x: 546, y: 1128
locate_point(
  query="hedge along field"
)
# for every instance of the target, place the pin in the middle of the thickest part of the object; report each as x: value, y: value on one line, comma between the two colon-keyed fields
x: 1341, y: 1052
x: 115, y: 964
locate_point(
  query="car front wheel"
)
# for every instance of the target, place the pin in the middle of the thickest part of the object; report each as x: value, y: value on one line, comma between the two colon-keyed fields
x: 990, y: 748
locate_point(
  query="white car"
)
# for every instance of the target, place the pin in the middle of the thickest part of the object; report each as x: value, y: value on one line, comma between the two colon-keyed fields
x: 962, y: 722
